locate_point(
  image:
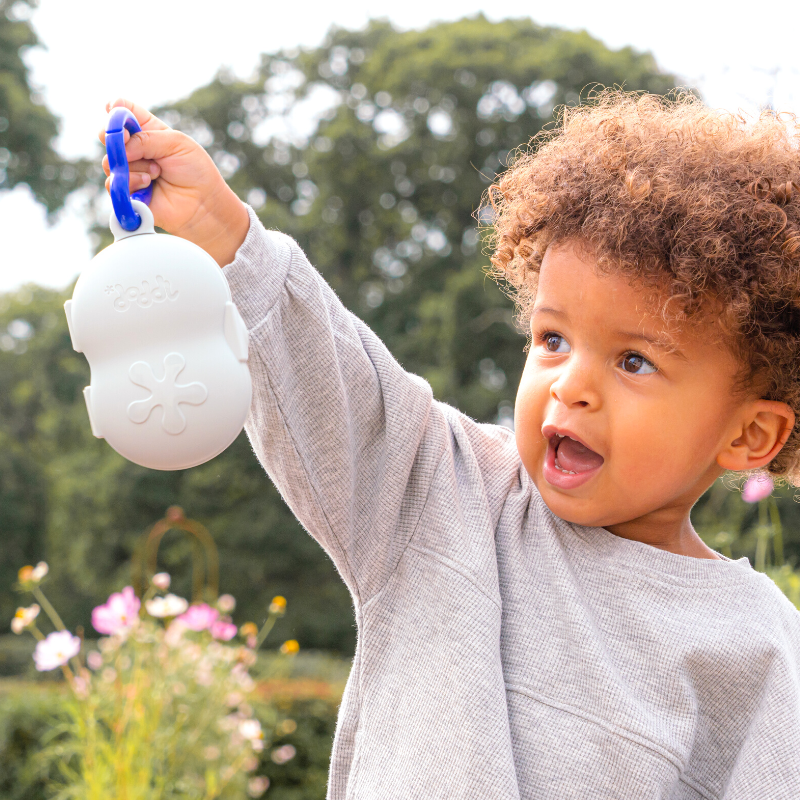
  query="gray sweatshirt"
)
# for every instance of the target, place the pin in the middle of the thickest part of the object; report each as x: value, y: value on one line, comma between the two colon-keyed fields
x: 502, y: 652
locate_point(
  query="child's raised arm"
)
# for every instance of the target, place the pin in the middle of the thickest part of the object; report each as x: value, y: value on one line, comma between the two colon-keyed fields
x: 350, y: 439
x: 190, y: 197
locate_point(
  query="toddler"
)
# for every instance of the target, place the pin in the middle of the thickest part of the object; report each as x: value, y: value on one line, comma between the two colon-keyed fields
x: 536, y: 616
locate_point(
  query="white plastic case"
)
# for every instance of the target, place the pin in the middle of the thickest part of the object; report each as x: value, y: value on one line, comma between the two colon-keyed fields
x: 167, y: 348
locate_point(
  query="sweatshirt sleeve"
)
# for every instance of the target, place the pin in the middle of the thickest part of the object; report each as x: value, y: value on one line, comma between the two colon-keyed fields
x: 349, y: 438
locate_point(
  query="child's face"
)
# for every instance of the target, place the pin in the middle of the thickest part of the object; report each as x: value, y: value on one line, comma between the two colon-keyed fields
x: 652, y: 410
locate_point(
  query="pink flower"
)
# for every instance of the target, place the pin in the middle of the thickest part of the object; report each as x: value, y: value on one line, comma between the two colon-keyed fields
x: 54, y: 651
x: 94, y: 660
x: 161, y: 581
x: 119, y: 614
x: 226, y: 603
x: 756, y: 488
x: 223, y: 630
x: 199, y: 617
x: 81, y: 686
x: 174, y: 634
x: 280, y: 755
x: 257, y: 786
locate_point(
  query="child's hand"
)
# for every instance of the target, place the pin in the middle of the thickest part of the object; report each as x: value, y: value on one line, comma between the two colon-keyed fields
x: 190, y: 197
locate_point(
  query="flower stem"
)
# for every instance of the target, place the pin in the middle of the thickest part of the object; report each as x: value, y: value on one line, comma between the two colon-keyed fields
x: 35, y: 632
x: 777, y: 545
x: 264, y: 632
x: 48, y: 608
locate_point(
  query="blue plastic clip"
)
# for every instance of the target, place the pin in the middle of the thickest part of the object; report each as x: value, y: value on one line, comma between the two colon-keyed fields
x: 120, y: 118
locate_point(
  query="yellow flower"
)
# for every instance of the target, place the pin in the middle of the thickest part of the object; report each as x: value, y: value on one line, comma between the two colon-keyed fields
x: 25, y: 575
x: 24, y: 618
x: 278, y: 605
x: 290, y: 648
x: 286, y: 727
x: 248, y: 629
x: 28, y: 574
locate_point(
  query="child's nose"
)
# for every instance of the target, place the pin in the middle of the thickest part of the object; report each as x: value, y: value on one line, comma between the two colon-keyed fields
x: 575, y: 387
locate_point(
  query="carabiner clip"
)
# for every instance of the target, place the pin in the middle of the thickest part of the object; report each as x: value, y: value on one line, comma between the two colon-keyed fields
x: 118, y: 119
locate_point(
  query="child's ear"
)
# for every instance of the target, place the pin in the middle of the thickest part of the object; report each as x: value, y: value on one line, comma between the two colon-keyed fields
x: 764, y: 431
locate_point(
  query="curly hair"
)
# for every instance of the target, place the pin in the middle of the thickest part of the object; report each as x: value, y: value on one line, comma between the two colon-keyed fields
x: 701, y: 205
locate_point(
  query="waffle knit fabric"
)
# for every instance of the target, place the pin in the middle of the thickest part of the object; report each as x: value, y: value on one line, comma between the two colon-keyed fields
x: 502, y: 653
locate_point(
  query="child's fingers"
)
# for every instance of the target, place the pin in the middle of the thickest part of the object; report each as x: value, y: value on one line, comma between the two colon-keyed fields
x: 138, y: 180
x: 153, y: 145
x: 143, y: 148
x: 151, y: 167
x: 146, y: 120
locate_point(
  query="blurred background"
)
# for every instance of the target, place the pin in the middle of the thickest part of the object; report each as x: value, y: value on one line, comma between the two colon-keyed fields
x: 368, y: 132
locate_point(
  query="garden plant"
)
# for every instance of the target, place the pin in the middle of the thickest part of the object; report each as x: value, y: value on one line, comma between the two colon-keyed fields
x: 164, y: 706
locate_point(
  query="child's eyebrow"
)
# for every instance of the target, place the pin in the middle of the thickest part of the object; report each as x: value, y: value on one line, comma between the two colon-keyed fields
x: 663, y: 343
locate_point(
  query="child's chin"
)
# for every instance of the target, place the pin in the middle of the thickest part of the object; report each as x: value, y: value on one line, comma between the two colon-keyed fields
x: 583, y: 511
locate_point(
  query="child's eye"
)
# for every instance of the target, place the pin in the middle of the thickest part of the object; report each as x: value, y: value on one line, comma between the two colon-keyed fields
x: 555, y: 343
x: 637, y: 364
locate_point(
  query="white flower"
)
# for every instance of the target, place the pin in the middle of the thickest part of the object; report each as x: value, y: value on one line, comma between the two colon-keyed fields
x: 226, y: 603
x: 169, y: 606
x: 40, y: 571
x: 161, y: 581
x: 24, y: 618
x: 54, y: 651
x: 251, y: 729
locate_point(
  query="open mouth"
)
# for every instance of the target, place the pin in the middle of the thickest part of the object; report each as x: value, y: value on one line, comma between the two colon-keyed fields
x: 569, y: 463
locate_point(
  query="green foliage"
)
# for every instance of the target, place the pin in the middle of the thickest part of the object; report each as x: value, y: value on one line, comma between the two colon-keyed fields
x: 788, y: 581
x: 163, y: 708
x: 27, y: 127
x: 305, y: 777
x: 160, y: 720
x: 731, y: 526
x: 40, y: 381
x: 29, y: 712
x: 766, y: 532
x: 403, y: 132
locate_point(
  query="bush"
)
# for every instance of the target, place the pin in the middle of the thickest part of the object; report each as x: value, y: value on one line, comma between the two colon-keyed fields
x: 28, y: 711
x: 307, y: 705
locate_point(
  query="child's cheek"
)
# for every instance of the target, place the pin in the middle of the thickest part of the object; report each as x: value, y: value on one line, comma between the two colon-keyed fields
x: 528, y: 420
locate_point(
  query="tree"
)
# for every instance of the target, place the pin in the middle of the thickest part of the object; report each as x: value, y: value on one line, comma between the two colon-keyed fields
x: 27, y: 127
x: 373, y: 151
